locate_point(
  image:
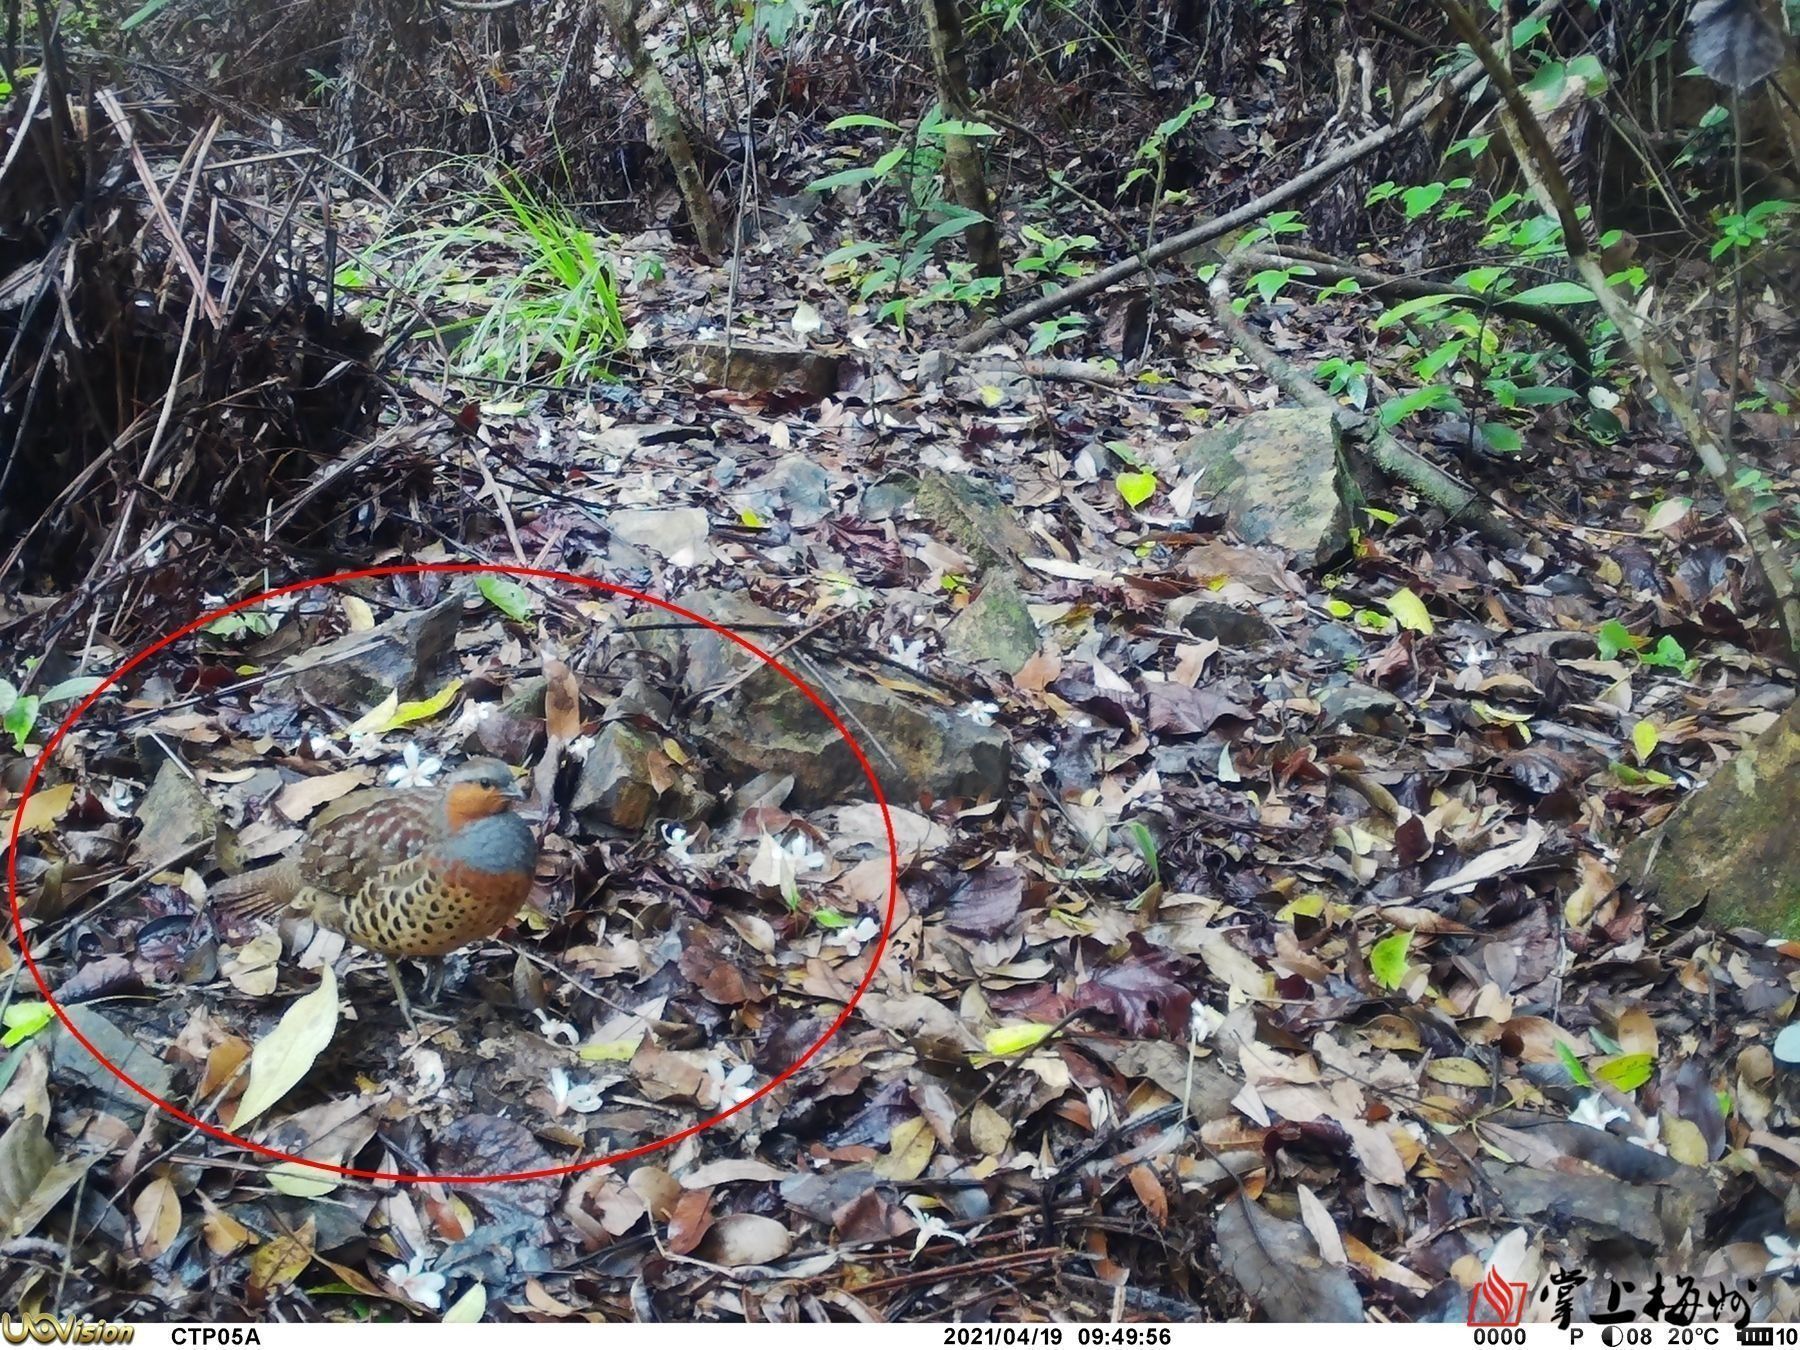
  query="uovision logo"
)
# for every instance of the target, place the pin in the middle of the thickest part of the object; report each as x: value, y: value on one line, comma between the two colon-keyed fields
x: 42, y: 1329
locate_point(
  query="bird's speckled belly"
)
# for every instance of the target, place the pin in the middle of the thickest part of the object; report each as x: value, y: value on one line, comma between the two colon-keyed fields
x: 432, y: 914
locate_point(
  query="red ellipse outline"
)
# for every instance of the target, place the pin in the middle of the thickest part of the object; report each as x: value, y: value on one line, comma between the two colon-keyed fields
x: 408, y: 569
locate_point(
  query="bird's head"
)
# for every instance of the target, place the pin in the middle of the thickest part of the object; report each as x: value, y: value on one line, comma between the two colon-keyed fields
x: 477, y: 790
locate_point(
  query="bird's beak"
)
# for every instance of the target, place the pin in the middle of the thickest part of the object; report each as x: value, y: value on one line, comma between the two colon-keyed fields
x: 513, y: 790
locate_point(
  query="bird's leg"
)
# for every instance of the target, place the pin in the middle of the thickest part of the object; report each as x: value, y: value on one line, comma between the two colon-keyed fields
x: 393, y: 967
x: 434, y: 981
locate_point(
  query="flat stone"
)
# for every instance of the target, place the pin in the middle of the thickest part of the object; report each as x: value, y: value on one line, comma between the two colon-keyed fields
x: 1363, y: 708
x: 1227, y: 625
x: 763, y: 724
x: 176, y: 816
x: 411, y: 654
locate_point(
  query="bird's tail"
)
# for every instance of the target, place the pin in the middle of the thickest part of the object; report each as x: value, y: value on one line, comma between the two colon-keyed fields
x: 259, y: 894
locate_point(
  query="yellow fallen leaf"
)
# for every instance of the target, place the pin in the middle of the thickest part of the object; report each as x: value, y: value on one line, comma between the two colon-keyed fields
x: 470, y: 1307
x: 42, y: 811
x: 155, y: 1218
x: 357, y: 611
x: 278, y: 1263
x: 374, y: 721
x: 910, y: 1146
x: 1409, y: 611
x: 608, y: 1051
x: 1684, y: 1141
x: 1458, y: 1071
x: 297, y: 1179
x: 281, y: 1059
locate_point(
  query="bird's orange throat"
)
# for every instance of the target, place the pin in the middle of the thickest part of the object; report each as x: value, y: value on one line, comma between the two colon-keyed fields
x: 469, y: 802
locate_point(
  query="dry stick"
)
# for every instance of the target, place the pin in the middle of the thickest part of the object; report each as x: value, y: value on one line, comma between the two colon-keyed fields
x: 1322, y: 172
x: 153, y: 191
x: 1391, y: 457
x: 1538, y: 163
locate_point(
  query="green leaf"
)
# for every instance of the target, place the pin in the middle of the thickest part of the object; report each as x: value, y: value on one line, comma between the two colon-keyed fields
x: 1136, y: 488
x: 25, y: 1020
x: 1387, y: 959
x: 1573, y: 1065
x: 20, y: 718
x: 1014, y: 1039
x: 1407, y: 308
x: 1555, y: 293
x: 855, y: 120
x: 1436, y: 396
x: 76, y: 686
x: 1503, y: 438
x: 1667, y: 652
x: 1409, y: 611
x: 143, y: 14
x: 507, y: 596
x: 1625, y: 1072
x: 1614, y: 637
x: 1644, y: 740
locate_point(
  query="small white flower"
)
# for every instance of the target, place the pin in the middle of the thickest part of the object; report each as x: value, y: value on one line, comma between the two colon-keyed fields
x: 1035, y: 758
x: 421, y: 1286
x: 1596, y: 1113
x: 581, y: 1098
x: 851, y: 939
x: 931, y: 1227
x: 803, y: 855
x: 909, y: 654
x: 1650, y: 1138
x: 1784, y: 1256
x: 678, y: 840
x: 555, y: 1030
x: 580, y: 746
x: 981, y: 714
x: 429, y: 1065
x: 732, y: 1087
x: 1203, y: 1022
x: 473, y: 714
x: 417, y: 771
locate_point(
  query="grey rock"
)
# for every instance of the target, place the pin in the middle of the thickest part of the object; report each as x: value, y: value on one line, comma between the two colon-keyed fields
x: 1277, y: 475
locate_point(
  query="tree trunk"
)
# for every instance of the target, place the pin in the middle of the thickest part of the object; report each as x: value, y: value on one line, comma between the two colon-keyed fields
x: 962, y: 156
x: 621, y: 19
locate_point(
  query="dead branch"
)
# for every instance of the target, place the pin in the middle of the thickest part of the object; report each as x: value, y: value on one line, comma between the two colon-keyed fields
x: 1251, y: 211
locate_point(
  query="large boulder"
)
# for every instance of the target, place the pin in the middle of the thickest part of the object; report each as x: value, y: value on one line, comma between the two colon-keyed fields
x: 1730, y: 845
x: 1278, y: 477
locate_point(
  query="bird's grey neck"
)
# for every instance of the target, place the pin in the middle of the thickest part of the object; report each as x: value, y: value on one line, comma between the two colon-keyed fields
x: 502, y: 843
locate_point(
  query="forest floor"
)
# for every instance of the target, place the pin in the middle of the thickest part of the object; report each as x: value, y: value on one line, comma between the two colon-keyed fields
x: 1252, y: 937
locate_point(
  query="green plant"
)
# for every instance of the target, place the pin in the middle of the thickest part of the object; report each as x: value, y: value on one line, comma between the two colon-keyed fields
x: 909, y: 168
x: 540, y: 293
x: 1614, y: 639
x: 1052, y: 257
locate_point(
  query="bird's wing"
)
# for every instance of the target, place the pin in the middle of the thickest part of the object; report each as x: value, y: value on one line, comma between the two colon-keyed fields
x: 342, y: 851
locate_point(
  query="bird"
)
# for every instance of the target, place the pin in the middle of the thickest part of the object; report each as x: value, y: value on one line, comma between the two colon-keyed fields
x: 403, y: 872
